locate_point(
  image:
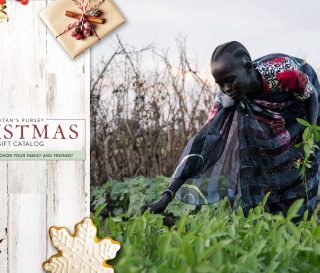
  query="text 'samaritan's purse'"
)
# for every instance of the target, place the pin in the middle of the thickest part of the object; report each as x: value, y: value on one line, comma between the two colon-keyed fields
x: 78, y: 24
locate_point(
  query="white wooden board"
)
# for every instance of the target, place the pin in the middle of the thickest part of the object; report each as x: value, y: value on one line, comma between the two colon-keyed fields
x: 38, y: 79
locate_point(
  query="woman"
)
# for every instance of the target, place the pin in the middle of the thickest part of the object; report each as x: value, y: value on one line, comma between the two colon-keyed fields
x: 247, y: 147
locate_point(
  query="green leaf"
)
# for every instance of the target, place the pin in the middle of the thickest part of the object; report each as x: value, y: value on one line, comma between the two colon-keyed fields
x: 303, y: 122
x: 272, y: 267
x: 294, y: 208
x: 306, y: 134
x: 293, y: 230
x: 164, y: 244
x: 99, y: 210
x: 217, y: 258
x: 265, y: 199
x: 189, y: 254
x: 316, y: 135
x: 308, y: 165
x: 307, y: 150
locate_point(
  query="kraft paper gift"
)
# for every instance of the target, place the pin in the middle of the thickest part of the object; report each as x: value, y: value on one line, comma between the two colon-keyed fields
x: 54, y: 17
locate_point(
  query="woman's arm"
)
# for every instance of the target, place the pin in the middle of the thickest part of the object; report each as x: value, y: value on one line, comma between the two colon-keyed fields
x: 166, y: 198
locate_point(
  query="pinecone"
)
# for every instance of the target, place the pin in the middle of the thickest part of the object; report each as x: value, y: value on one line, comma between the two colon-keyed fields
x: 94, y: 12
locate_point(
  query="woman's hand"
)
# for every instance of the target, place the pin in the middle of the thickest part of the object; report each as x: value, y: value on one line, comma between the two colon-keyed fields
x: 159, y: 206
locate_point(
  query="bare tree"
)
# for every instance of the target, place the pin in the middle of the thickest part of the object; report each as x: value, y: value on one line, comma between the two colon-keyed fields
x: 142, y: 116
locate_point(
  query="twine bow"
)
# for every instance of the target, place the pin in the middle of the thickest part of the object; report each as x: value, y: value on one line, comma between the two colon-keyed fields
x: 83, y: 17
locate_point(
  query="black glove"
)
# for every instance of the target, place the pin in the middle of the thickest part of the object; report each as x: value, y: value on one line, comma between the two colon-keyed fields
x: 159, y: 206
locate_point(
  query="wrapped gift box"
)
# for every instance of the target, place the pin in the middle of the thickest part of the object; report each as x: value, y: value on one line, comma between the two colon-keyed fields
x: 56, y: 20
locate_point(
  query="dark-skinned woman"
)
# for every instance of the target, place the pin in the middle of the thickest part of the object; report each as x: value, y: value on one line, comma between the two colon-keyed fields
x: 247, y: 147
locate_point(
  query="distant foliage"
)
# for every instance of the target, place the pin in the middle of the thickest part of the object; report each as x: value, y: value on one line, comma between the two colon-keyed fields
x: 143, y: 113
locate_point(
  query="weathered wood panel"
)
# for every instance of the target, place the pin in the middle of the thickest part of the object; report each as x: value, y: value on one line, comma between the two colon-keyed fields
x: 38, y: 79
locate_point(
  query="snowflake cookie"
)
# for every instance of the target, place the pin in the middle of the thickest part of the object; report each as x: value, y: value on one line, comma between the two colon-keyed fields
x: 81, y: 252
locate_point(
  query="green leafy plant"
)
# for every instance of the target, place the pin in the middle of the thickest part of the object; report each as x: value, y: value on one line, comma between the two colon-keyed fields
x: 215, y: 239
x: 310, y: 137
x: 126, y: 197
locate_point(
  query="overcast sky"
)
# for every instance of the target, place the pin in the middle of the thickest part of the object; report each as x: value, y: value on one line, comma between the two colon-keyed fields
x: 286, y: 26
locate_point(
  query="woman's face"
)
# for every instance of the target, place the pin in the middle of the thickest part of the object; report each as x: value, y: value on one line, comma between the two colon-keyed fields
x: 231, y: 76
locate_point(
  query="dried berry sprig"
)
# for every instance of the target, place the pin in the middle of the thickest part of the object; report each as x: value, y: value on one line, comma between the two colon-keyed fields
x: 84, y: 25
x: 82, y: 30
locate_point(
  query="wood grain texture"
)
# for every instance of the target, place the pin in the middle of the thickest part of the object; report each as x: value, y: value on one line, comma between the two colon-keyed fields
x: 38, y: 79
x: 3, y: 217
